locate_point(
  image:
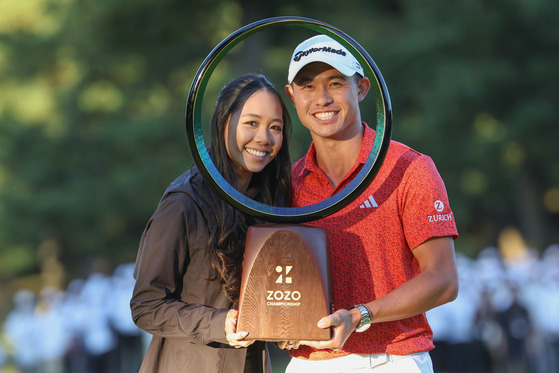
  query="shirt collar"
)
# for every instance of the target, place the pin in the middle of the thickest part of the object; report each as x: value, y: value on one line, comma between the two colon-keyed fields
x: 368, y: 139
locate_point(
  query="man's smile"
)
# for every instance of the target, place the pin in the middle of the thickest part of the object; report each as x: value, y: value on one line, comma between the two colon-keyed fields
x: 325, y: 115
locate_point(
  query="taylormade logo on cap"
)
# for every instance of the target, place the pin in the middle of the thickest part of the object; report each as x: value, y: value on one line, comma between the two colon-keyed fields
x: 311, y: 50
x: 322, y: 48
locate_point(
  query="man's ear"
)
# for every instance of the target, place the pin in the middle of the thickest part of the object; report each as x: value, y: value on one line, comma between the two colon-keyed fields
x: 363, y: 87
x: 289, y: 92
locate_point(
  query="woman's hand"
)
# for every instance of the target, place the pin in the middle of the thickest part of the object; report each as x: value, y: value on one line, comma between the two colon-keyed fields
x: 235, y: 339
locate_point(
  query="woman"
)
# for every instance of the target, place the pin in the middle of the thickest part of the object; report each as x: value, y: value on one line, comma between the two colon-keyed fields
x: 189, y: 261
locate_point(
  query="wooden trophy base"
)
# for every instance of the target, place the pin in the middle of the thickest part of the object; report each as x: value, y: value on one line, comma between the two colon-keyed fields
x: 285, y: 286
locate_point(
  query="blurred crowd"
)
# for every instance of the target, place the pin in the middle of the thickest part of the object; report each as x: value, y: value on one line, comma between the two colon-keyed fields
x: 505, y: 319
x: 85, y: 329
x: 506, y: 316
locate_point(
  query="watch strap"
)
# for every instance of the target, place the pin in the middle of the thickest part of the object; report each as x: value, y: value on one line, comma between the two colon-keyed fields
x: 366, y: 318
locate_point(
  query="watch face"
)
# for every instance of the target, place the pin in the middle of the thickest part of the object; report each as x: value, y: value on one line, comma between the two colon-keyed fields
x: 362, y: 328
x: 365, y: 322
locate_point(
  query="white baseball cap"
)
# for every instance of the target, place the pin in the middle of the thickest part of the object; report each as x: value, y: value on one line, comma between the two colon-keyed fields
x: 322, y: 48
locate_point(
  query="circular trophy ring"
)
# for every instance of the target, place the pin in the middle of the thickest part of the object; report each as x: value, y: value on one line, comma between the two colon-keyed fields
x: 277, y: 214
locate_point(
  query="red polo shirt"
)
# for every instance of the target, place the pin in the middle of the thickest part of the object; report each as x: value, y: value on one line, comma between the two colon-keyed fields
x: 371, y: 240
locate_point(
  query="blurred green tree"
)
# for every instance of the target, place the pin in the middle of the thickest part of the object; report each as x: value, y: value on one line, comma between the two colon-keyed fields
x: 92, y: 97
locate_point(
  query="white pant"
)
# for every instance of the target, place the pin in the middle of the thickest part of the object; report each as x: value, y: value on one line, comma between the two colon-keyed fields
x: 381, y: 363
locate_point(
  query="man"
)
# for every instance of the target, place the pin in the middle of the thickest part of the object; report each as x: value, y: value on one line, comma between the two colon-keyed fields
x: 392, y: 249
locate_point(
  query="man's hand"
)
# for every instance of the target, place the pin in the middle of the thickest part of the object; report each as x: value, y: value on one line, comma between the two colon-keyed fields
x: 235, y: 339
x: 288, y: 345
x: 343, y: 323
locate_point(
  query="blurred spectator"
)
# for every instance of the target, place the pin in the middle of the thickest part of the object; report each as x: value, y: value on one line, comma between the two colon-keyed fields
x: 98, y: 337
x: 545, y: 303
x: 130, y: 343
x: 75, y: 315
x: 517, y: 326
x: 2, y: 356
x: 456, y: 347
x: 22, y: 332
x: 53, y: 337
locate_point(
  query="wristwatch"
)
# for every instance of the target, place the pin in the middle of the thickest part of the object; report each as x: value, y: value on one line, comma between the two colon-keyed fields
x: 366, y: 318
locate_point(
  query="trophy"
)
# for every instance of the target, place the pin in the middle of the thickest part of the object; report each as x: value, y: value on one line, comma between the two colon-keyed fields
x: 285, y: 285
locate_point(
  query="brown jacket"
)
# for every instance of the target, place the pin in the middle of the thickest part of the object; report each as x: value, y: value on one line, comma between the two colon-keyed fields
x: 172, y: 298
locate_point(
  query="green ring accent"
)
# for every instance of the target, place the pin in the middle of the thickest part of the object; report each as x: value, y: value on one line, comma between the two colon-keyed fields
x: 276, y: 214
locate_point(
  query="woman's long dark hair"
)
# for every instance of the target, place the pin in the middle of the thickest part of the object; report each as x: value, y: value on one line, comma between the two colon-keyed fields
x: 271, y: 186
